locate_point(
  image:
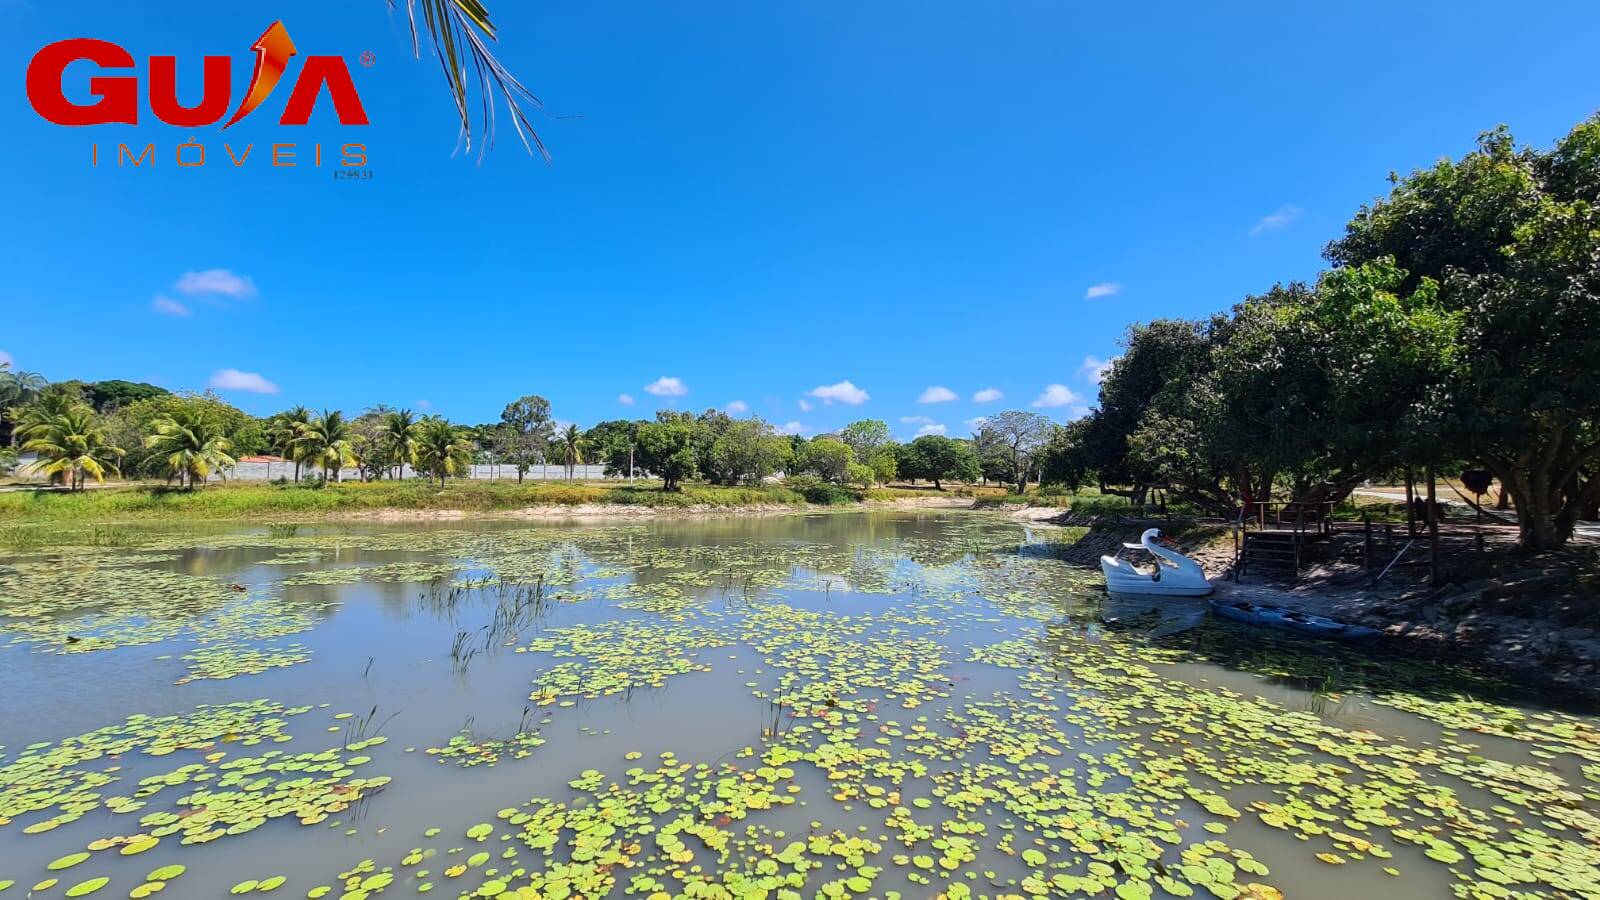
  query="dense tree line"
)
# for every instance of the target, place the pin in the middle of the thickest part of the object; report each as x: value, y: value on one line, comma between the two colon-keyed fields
x: 1458, y: 326
x: 106, y: 429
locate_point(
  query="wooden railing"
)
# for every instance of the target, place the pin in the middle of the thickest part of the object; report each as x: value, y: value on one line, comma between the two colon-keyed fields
x: 1301, y: 518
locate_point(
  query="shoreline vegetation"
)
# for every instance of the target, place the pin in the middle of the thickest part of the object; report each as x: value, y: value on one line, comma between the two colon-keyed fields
x: 398, y: 500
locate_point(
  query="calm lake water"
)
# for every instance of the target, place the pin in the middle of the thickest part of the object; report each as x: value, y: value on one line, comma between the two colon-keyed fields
x: 847, y: 704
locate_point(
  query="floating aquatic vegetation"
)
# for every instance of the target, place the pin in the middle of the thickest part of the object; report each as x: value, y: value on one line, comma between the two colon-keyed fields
x: 293, y: 558
x: 394, y: 572
x: 618, y: 658
x: 466, y: 751
x: 52, y: 784
x: 229, y: 660
x: 78, y: 604
x: 943, y: 705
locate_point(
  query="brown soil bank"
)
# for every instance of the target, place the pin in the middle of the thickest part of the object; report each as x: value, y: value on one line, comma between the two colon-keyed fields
x: 1533, y: 617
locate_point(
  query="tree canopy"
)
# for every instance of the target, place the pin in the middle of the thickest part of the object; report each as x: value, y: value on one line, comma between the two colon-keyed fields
x: 1459, y: 325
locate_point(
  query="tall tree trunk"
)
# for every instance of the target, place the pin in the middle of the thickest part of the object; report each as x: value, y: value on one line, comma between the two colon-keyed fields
x: 1538, y: 508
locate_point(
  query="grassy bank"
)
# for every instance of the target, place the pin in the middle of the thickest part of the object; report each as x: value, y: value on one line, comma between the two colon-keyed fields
x: 240, y: 501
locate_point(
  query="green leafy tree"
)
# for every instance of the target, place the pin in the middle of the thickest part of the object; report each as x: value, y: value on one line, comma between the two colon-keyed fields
x: 883, y: 463
x: 109, y: 396
x: 707, y: 429
x: 72, y: 446
x: 1512, y: 239
x: 827, y: 458
x: 909, y: 463
x: 443, y: 449
x: 748, y: 451
x: 614, y: 443
x: 526, y: 433
x: 191, y: 444
x: 941, y: 459
x: 666, y: 449
x: 873, y: 446
x: 1154, y: 355
x: 1063, y: 461
x: 866, y: 436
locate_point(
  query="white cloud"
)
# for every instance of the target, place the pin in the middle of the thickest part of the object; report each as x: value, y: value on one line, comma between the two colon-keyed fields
x: 235, y: 380
x: 915, y: 420
x: 1103, y: 289
x: 1056, y: 395
x: 666, y: 386
x: 1094, y: 368
x: 791, y: 428
x: 805, y: 406
x: 738, y: 406
x: 625, y: 399
x: 844, y: 392
x: 216, y: 281
x: 987, y: 395
x: 934, y: 428
x: 169, y: 307
x: 937, y: 394
x: 1278, y: 219
x: 6, y: 359
x: 976, y: 423
x: 424, y: 404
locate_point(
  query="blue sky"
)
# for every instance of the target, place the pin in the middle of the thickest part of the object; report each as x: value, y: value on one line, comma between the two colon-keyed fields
x: 821, y: 211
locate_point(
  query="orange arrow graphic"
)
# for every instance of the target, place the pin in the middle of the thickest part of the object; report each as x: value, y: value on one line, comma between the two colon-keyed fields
x: 273, y: 50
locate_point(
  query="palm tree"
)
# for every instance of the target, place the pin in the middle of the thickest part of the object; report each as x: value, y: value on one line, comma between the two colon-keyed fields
x: 284, y: 430
x: 400, y: 439
x: 16, y: 390
x: 570, y: 444
x: 442, y: 449
x: 72, y: 445
x: 325, y: 441
x: 192, y: 443
x: 460, y: 32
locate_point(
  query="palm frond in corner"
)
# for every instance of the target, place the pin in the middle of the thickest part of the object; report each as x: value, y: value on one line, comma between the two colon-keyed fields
x: 461, y: 33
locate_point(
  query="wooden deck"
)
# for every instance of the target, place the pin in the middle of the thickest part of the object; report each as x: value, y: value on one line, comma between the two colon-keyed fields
x: 1276, y: 538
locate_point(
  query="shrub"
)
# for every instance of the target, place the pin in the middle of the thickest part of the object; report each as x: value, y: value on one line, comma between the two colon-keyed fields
x: 823, y: 493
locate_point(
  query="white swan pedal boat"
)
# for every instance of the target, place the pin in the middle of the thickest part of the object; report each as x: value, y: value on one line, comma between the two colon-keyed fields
x: 1174, y: 575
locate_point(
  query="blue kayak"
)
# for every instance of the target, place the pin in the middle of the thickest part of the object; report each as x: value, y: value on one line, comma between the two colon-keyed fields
x: 1291, y: 620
